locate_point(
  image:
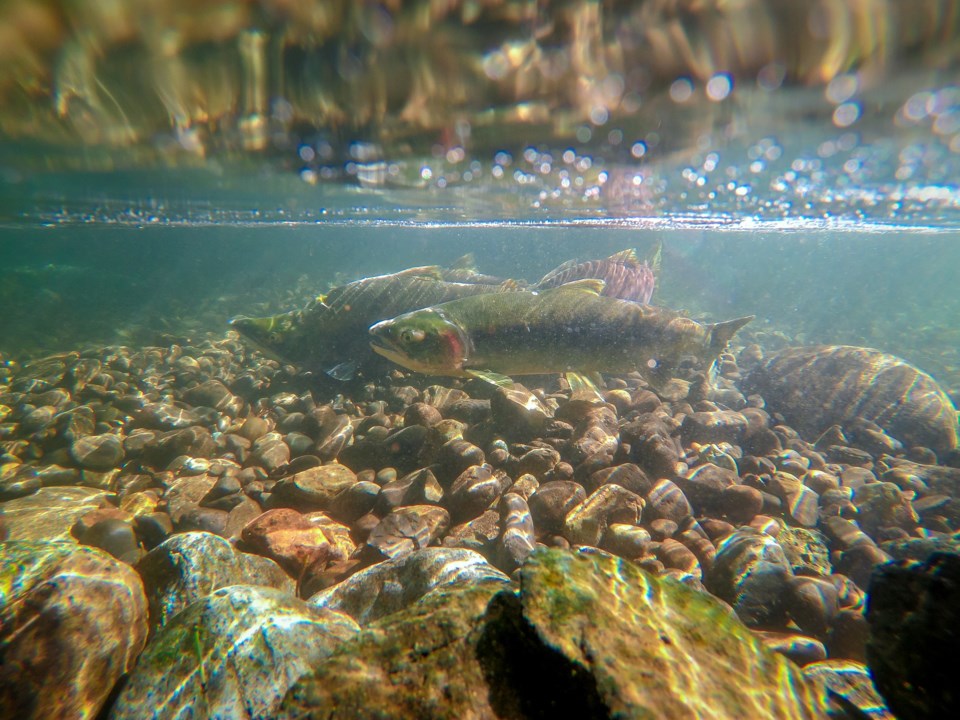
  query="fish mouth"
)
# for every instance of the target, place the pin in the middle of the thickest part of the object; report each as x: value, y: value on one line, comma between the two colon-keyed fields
x: 399, y: 358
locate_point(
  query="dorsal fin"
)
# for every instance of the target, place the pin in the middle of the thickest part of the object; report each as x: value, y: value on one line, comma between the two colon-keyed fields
x: 466, y: 262
x: 722, y: 332
x: 561, y: 268
x: 430, y: 271
x: 624, y: 256
x: 593, y: 286
x: 654, y: 258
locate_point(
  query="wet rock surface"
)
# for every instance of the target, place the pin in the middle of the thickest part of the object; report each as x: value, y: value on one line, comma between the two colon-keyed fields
x: 205, y: 466
x: 233, y: 653
x: 914, y: 618
x: 73, y: 620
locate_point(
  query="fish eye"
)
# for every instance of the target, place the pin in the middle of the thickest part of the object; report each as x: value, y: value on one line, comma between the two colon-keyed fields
x: 408, y: 336
x: 274, y: 337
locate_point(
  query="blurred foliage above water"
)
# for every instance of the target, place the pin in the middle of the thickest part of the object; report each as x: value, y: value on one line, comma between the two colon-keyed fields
x: 181, y: 78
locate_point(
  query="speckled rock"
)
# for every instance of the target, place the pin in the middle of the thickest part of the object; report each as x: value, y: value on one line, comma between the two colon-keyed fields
x: 190, y: 566
x: 296, y: 541
x: 806, y: 550
x: 72, y: 622
x: 914, y: 618
x: 394, y: 585
x: 232, y: 654
x: 49, y: 513
x: 623, y: 641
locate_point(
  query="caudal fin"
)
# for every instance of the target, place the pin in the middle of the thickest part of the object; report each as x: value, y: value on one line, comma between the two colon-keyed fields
x: 722, y: 332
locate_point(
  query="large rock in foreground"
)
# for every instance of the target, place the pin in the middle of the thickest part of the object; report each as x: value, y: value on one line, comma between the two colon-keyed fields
x: 72, y: 621
x: 231, y: 655
x: 640, y: 647
x: 588, y: 636
x: 914, y: 616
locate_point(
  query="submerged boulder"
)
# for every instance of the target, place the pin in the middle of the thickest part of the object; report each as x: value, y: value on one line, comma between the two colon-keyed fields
x: 232, y: 654
x: 72, y: 622
x: 588, y: 635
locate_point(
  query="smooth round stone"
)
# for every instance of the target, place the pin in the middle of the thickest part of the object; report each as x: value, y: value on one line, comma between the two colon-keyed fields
x: 253, y: 428
x: 115, y: 536
x: 270, y: 451
x: 713, y: 427
x: 740, y: 503
x: 800, y: 649
x: 422, y: 414
x: 97, y: 452
x: 314, y: 488
x: 516, y: 542
x: 666, y: 500
x: 552, y: 501
x: 153, y: 528
x: 813, y: 604
x: 17, y: 480
x: 750, y: 571
x: 627, y: 541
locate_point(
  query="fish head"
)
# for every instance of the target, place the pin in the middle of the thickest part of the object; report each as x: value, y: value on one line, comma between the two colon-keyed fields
x: 271, y: 335
x: 424, y: 341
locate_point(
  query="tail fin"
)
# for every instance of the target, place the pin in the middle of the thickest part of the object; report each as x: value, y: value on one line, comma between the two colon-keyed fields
x: 722, y: 332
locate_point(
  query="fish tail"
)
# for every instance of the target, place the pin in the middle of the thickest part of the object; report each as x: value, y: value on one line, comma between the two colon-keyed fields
x: 722, y: 332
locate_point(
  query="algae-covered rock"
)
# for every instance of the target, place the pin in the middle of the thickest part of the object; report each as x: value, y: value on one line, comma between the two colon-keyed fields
x: 655, y: 648
x: 418, y: 663
x: 588, y: 636
x: 72, y: 621
x: 394, y: 585
x: 232, y: 654
x: 190, y: 566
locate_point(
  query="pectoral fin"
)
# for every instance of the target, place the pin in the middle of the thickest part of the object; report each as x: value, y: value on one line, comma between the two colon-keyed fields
x: 585, y: 386
x: 491, y: 377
